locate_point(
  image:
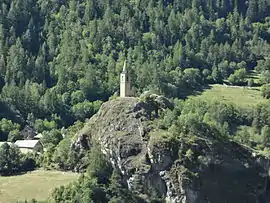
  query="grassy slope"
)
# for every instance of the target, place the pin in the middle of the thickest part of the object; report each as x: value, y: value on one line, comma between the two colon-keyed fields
x: 37, y: 184
x: 242, y: 97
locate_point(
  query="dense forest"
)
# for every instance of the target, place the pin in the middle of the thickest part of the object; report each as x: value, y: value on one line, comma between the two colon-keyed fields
x: 60, y: 60
x: 59, y: 57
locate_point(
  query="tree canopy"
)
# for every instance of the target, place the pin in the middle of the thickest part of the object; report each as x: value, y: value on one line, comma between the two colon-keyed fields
x: 57, y: 57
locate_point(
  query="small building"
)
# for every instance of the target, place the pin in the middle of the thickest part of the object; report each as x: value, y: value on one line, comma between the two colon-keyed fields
x: 29, y: 146
x: 125, y: 83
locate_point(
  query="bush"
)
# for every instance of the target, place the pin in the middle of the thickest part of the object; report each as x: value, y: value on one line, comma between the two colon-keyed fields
x: 9, y: 159
x: 85, y: 109
x: 12, y: 161
x: 265, y: 77
x: 77, y: 97
x: 44, y: 125
x: 28, y: 162
x: 7, y: 127
x: 61, y: 154
x: 266, y: 91
x: 238, y: 77
x: 52, y: 137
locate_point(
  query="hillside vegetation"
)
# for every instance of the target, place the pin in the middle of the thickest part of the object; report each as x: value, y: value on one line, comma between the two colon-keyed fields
x: 60, y: 62
x: 165, y: 152
x: 57, y: 57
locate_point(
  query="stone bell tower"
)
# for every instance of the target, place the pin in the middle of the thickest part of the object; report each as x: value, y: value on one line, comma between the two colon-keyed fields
x: 125, y: 83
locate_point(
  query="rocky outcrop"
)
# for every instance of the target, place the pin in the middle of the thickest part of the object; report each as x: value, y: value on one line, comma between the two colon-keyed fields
x: 181, y: 170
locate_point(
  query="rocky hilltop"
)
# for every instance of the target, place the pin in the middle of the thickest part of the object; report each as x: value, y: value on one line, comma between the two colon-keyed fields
x: 155, y: 164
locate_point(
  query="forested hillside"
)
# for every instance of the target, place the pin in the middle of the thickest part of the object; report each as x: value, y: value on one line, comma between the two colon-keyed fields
x: 60, y: 62
x: 58, y: 57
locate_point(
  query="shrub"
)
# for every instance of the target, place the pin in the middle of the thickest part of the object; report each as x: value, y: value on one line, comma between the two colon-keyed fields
x: 238, y: 77
x: 266, y: 91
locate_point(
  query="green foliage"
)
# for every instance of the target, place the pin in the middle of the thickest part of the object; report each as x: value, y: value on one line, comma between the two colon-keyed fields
x: 265, y: 77
x: 44, y: 125
x: 29, y: 161
x: 189, y: 154
x: 60, y: 59
x: 8, y: 130
x: 195, y: 117
x: 47, y: 157
x: 57, y: 57
x: 243, y: 135
x: 192, y: 77
x: 89, y: 187
x: 98, y: 184
x: 265, y: 89
x: 14, y: 135
x: 266, y: 135
x: 85, y: 109
x: 77, y: 97
x: 13, y: 162
x: 239, y: 77
x: 9, y: 159
x: 261, y: 116
x: 116, y: 189
x: 98, y: 167
x: 61, y: 155
x: 52, y: 137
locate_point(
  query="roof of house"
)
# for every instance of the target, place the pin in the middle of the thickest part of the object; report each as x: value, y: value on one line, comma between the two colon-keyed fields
x: 38, y: 136
x: 26, y: 143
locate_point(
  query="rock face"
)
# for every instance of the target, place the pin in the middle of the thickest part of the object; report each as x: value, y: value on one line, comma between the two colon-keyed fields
x: 155, y: 165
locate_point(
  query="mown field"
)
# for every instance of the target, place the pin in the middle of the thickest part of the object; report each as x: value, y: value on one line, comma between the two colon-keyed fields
x: 242, y: 96
x: 37, y: 184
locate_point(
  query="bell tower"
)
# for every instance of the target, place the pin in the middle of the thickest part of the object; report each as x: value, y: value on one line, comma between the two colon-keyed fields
x: 125, y: 82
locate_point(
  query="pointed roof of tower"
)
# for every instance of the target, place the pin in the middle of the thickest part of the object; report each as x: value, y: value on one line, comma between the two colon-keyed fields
x: 125, y: 67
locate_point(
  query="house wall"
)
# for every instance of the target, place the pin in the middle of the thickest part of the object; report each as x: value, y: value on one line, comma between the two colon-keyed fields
x: 38, y: 147
x: 26, y: 150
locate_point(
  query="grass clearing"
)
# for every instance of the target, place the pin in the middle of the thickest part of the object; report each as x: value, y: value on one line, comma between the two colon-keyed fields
x: 242, y: 97
x: 37, y: 184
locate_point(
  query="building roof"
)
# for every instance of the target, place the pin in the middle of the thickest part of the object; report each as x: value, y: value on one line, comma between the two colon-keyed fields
x: 38, y: 136
x: 30, y: 144
x: 125, y: 67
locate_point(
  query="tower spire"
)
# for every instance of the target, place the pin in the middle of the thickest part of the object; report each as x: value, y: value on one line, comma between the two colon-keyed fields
x: 125, y: 67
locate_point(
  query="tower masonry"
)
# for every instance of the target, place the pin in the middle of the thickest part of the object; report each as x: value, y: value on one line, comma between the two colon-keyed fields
x: 125, y: 83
